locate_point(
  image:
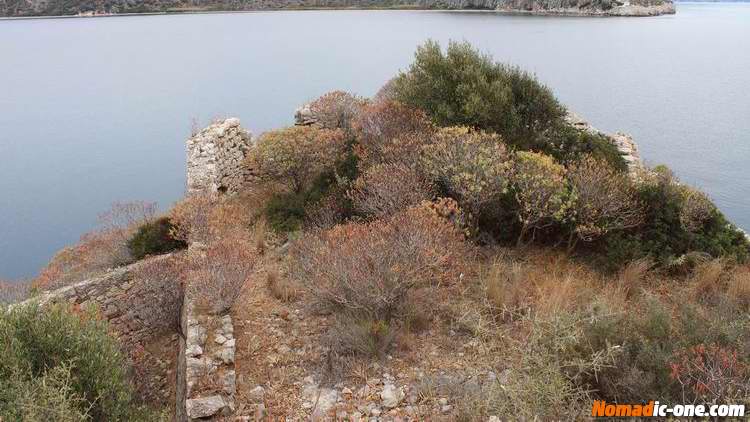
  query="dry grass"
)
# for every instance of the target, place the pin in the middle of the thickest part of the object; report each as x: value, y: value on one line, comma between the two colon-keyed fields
x: 633, y: 276
x: 706, y: 279
x: 12, y: 292
x: 280, y: 287
x: 738, y: 288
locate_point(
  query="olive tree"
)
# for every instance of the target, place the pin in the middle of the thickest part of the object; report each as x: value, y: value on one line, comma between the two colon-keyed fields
x: 466, y: 88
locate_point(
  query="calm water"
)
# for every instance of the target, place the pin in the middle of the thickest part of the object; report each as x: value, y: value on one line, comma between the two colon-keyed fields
x: 96, y: 110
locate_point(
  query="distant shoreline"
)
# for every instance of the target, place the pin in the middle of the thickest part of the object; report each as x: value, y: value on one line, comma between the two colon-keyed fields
x: 506, y: 12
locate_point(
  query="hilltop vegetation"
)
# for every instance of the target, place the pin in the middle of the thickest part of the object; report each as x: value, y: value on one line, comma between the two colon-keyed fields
x: 453, y: 248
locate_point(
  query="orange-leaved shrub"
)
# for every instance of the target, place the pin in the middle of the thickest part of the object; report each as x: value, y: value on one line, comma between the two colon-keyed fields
x: 385, y: 189
x: 218, y: 272
x: 336, y: 109
x: 389, y: 131
x: 366, y: 269
x: 102, y: 249
x: 711, y: 374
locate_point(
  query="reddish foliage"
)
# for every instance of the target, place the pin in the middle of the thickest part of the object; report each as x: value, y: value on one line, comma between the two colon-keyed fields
x: 218, y: 273
x: 367, y: 269
x: 385, y: 189
x: 711, y: 373
x: 387, y: 129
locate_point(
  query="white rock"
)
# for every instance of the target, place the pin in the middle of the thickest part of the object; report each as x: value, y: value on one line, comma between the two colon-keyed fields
x: 220, y: 339
x: 204, y: 406
x: 257, y: 394
x: 392, y: 396
x: 193, y: 351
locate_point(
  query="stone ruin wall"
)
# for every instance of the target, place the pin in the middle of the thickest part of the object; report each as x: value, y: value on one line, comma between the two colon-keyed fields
x: 142, y: 309
x: 215, y: 156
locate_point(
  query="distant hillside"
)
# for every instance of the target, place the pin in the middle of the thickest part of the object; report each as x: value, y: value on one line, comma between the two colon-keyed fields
x: 26, y: 8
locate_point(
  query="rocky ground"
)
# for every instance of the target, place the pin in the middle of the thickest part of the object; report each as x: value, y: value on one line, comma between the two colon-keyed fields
x: 285, y: 371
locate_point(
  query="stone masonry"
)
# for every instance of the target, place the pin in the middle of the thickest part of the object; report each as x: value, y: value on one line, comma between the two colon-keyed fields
x: 133, y: 305
x: 214, y: 158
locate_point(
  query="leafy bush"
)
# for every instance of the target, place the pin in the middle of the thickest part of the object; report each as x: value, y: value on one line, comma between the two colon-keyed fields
x: 465, y: 88
x: 679, y: 222
x: 296, y: 156
x: 471, y: 167
x: 540, y: 189
x: 62, y: 365
x: 287, y: 211
x: 711, y: 374
x: 154, y: 238
x: 336, y: 109
x: 567, y: 144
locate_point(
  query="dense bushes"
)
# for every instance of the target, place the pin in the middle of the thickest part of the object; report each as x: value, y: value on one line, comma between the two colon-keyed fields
x: 154, y: 238
x: 604, y: 199
x: 458, y: 125
x: 464, y: 88
x: 220, y: 272
x: 385, y: 189
x: 61, y: 364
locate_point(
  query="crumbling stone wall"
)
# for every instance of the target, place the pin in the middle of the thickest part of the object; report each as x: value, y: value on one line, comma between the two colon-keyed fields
x: 135, y: 306
x: 206, y: 356
x: 215, y: 156
x: 142, y: 303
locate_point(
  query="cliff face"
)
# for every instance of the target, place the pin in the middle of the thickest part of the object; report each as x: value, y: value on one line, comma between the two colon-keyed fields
x: 21, y: 8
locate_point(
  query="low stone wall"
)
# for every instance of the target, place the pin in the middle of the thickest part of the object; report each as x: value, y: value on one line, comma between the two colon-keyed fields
x: 137, y: 307
x: 207, y: 376
x: 215, y: 156
x: 142, y: 303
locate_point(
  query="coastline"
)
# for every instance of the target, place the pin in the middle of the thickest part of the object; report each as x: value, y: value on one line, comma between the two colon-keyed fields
x: 667, y: 8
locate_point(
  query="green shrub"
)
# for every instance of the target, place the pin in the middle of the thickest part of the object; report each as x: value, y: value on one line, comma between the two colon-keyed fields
x: 568, y: 144
x: 540, y: 189
x: 62, y: 365
x: 677, y: 223
x: 288, y: 211
x: 465, y: 88
x: 472, y: 167
x: 154, y: 238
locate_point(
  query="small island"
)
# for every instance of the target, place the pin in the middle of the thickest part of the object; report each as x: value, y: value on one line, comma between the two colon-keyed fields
x: 41, y: 8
